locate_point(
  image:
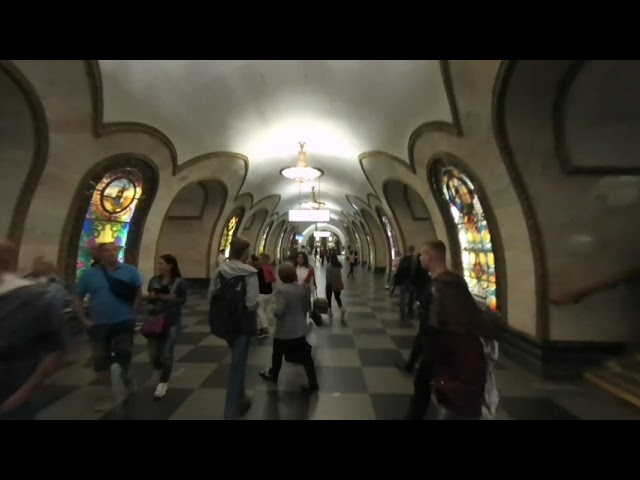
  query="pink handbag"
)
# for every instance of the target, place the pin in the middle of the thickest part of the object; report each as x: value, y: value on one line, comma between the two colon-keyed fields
x: 156, y: 326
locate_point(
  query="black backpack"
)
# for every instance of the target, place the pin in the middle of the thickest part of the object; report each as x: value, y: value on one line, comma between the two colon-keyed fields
x: 228, y: 308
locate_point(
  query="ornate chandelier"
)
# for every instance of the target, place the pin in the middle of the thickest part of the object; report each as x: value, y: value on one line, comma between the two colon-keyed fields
x: 301, y: 172
x: 314, y: 204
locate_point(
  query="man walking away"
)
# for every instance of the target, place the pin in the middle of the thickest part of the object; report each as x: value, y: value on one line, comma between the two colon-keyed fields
x: 422, y: 285
x: 403, y: 278
x: 234, y: 296
x: 32, y: 339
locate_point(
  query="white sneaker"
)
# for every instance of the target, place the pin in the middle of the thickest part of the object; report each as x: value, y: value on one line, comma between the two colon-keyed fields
x: 161, y: 390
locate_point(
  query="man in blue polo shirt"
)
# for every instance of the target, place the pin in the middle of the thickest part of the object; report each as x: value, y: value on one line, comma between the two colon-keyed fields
x: 114, y: 294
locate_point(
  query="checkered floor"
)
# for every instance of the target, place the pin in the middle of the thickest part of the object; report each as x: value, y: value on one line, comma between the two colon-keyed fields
x: 358, y: 380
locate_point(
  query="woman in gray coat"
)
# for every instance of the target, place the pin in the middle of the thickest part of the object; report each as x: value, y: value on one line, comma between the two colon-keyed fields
x: 291, y: 304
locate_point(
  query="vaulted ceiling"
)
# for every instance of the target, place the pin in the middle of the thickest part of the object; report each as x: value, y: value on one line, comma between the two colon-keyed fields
x: 262, y: 109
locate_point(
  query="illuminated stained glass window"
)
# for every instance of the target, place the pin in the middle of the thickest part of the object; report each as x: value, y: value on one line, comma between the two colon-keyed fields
x: 229, y: 234
x: 478, y: 260
x: 390, y: 235
x: 113, y: 203
x: 263, y: 240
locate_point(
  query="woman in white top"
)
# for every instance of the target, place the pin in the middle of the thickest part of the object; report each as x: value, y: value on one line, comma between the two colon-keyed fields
x: 307, y: 278
x: 305, y: 273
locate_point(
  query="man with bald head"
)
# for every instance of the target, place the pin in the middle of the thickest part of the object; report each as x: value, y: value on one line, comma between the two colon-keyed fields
x: 32, y: 338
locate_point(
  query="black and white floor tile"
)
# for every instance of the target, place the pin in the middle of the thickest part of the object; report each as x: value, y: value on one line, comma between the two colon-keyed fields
x: 358, y: 380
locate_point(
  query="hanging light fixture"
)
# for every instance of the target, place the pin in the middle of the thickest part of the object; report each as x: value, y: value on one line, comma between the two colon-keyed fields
x: 314, y: 204
x: 301, y: 172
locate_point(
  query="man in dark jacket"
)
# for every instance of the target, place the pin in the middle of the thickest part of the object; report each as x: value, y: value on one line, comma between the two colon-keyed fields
x: 421, y: 286
x: 32, y: 339
x: 403, y: 279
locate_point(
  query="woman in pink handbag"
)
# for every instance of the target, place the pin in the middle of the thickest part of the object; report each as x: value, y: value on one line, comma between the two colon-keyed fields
x: 167, y: 294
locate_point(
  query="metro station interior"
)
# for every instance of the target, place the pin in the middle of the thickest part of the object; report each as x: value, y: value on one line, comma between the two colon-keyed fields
x: 527, y: 170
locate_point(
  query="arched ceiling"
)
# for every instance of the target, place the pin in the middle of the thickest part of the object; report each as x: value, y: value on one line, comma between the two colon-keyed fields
x: 262, y: 109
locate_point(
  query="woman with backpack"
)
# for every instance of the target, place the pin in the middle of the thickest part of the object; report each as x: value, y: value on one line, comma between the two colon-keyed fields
x: 291, y: 304
x: 334, y: 286
x: 167, y: 294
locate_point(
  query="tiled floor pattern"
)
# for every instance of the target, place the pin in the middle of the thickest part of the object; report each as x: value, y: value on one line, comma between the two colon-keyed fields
x: 355, y: 368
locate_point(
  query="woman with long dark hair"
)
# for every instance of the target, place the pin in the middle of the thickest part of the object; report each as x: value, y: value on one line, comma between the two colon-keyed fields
x: 167, y: 294
x: 334, y: 286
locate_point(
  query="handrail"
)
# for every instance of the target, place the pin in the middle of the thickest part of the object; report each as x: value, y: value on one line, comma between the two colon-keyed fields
x: 611, y: 282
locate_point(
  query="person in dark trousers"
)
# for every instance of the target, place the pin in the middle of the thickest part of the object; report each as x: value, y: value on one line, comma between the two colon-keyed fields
x: 112, y: 317
x: 167, y: 293
x: 404, y: 279
x: 453, y: 360
x: 292, y: 302
x: 422, y: 290
x: 237, y: 402
x: 33, y: 339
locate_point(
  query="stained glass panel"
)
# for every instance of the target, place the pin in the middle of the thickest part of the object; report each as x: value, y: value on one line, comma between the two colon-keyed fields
x: 391, y: 236
x: 113, y: 203
x: 229, y: 234
x: 478, y: 260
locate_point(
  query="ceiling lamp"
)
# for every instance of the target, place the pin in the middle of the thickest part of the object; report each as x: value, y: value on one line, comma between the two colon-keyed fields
x: 314, y: 204
x: 302, y: 172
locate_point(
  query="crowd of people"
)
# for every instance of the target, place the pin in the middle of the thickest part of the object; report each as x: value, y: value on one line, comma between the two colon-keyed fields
x: 453, y: 349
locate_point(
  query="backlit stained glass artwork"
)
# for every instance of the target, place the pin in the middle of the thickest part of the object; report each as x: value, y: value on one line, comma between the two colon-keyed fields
x: 391, y: 235
x: 229, y: 234
x: 113, y: 203
x: 263, y: 240
x: 370, y: 250
x: 478, y: 260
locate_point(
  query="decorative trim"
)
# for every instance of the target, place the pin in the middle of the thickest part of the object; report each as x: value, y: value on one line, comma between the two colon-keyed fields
x: 72, y: 229
x: 380, y: 214
x: 556, y: 360
x: 38, y: 159
x: 373, y: 237
x: 199, y: 215
x: 559, y: 133
x: 414, y: 216
x: 225, y: 190
x: 452, y: 231
x: 249, y: 222
x: 100, y: 129
x: 450, y: 128
x: 538, y: 251
x: 270, y: 212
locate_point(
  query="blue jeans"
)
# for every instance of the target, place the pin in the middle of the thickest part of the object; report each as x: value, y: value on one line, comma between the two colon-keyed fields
x: 238, y: 371
x: 161, y: 352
